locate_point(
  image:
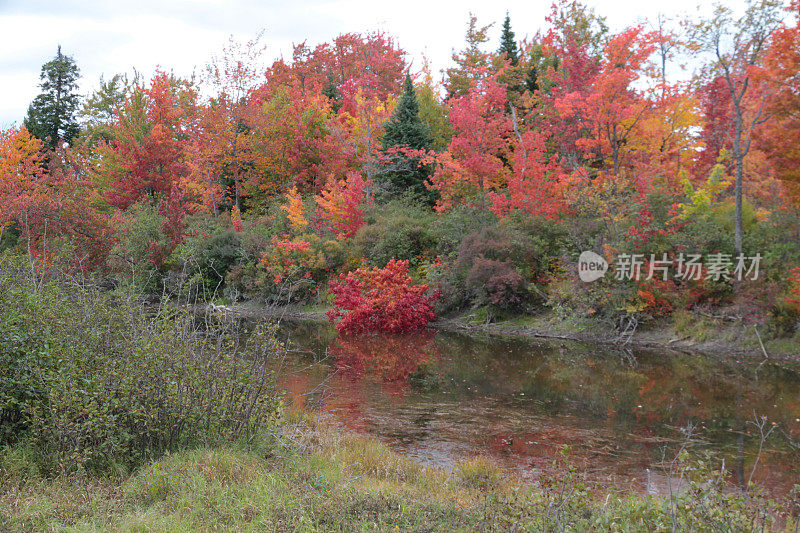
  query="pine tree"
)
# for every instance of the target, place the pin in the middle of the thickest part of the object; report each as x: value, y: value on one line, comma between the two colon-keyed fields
x: 406, y: 129
x: 332, y: 93
x: 508, y: 46
x: 51, y: 115
x: 508, y: 59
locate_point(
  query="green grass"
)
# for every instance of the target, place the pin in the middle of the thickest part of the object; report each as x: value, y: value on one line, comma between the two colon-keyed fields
x: 478, y: 472
x: 326, y: 480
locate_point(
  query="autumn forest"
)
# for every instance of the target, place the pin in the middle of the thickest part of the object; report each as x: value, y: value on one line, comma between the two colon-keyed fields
x: 640, y: 185
x: 485, y: 184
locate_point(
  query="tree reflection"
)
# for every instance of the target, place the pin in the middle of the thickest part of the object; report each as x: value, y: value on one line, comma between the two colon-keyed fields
x: 388, y: 359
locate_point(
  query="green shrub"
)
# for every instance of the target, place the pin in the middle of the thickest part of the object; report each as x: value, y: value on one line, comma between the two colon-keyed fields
x: 142, y: 247
x: 91, y: 381
x: 450, y: 228
x: 397, y: 234
x: 499, y: 266
x: 205, y: 259
x: 9, y: 236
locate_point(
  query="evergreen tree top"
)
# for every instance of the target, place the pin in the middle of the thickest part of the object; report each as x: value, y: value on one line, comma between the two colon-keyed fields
x: 51, y: 115
x: 508, y: 44
x: 405, y: 128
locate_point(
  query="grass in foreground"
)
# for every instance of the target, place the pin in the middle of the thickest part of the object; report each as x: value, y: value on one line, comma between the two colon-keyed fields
x: 329, y: 481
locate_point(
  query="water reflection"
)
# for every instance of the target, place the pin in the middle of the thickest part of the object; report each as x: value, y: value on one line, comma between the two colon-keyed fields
x: 439, y: 396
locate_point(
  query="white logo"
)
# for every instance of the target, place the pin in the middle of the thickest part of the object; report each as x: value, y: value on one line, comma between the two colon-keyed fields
x: 591, y: 266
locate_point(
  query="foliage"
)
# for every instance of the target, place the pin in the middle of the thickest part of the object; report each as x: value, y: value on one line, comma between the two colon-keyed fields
x: 150, y: 156
x: 206, y: 256
x: 500, y: 266
x: 92, y: 382
x: 574, y: 139
x: 24, y: 182
x: 342, y: 205
x: 496, y: 283
x: 295, y: 210
x: 794, y: 289
x: 236, y: 218
x: 432, y: 111
x: 470, y: 62
x: 781, y: 71
x: 473, y: 164
x: 50, y: 205
x: 98, y: 111
x: 381, y: 300
x: 398, y: 232
x: 289, y: 268
x: 293, y: 261
x: 143, y: 245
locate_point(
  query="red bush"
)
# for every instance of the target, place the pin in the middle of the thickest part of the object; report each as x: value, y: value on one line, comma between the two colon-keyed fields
x: 381, y: 300
x: 498, y: 280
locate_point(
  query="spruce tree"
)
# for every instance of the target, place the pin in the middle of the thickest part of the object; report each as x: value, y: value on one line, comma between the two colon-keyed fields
x: 514, y: 76
x: 508, y: 45
x: 332, y: 93
x: 406, y: 129
x: 52, y: 114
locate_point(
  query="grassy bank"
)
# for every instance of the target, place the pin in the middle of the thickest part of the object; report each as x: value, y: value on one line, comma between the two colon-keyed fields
x: 310, y: 478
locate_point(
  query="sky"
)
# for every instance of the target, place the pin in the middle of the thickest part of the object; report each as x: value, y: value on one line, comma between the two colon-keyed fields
x: 115, y: 36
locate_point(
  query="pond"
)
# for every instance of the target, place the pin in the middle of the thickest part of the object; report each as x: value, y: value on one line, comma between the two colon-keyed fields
x: 441, y: 396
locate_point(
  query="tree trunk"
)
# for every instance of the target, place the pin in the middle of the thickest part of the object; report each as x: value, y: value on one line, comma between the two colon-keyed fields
x: 739, y: 160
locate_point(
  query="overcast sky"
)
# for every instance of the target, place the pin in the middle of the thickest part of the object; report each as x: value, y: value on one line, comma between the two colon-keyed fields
x: 181, y: 35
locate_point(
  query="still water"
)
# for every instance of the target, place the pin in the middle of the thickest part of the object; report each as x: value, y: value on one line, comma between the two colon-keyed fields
x: 441, y: 396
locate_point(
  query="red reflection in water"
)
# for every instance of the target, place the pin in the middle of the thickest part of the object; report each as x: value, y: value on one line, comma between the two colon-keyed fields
x: 349, y: 405
x: 388, y: 359
x: 296, y: 386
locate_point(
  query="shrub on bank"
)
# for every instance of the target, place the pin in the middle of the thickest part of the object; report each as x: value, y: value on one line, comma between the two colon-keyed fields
x: 382, y: 300
x: 402, y: 237
x: 498, y: 266
x: 91, y: 380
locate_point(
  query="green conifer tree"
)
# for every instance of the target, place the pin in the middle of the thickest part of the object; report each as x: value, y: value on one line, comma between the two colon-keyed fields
x: 508, y: 45
x: 52, y: 114
x: 406, y: 129
x: 332, y: 93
